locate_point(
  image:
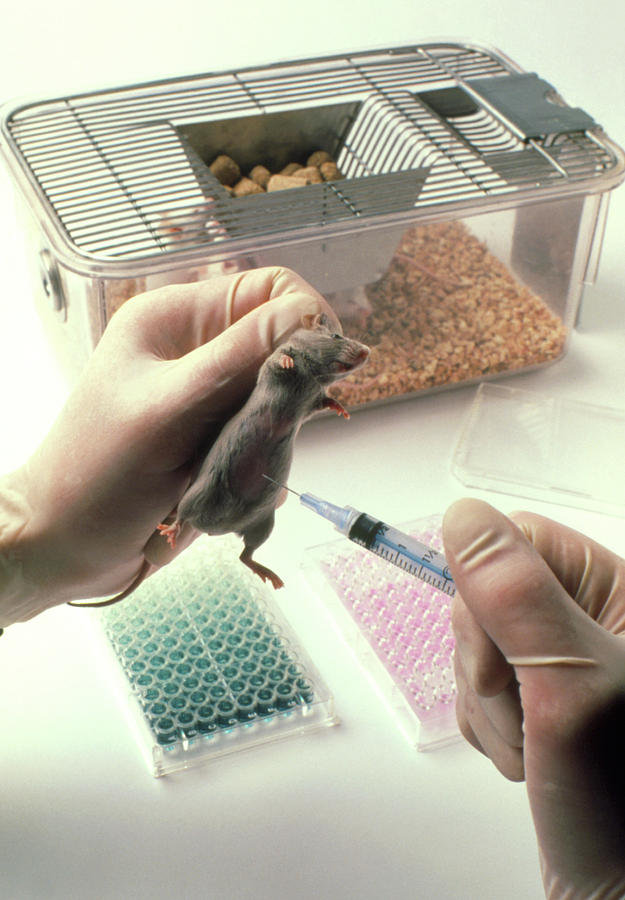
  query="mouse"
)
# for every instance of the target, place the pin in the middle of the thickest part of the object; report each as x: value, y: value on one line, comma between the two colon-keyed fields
x: 234, y: 489
x: 351, y: 306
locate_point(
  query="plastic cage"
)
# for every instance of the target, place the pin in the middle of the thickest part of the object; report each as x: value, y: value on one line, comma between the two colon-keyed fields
x: 455, y: 235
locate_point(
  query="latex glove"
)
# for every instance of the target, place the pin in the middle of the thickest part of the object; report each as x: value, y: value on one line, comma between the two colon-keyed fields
x: 540, y: 666
x: 172, y: 366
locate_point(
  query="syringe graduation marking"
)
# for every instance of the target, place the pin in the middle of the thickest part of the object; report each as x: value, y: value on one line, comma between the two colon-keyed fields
x: 392, y: 545
x: 421, y: 561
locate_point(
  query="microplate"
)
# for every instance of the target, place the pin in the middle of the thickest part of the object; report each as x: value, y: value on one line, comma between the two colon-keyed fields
x: 205, y: 662
x: 399, y: 628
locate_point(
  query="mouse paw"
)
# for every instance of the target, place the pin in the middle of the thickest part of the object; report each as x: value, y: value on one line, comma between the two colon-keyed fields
x: 286, y: 361
x: 331, y: 403
x: 170, y: 532
x: 262, y: 571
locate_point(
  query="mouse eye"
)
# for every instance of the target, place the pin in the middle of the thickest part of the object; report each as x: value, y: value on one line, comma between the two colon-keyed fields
x: 337, y: 337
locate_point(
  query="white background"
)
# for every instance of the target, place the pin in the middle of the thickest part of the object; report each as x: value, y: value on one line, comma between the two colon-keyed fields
x: 354, y: 811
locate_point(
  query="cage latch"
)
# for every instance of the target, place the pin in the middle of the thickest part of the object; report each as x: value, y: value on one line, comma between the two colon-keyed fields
x: 51, y: 281
x: 531, y: 105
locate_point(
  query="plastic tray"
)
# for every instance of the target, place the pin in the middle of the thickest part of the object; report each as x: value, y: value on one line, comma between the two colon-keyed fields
x: 399, y: 629
x: 532, y: 445
x: 206, y: 664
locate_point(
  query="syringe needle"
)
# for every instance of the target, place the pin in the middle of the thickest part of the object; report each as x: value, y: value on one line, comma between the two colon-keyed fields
x: 341, y: 516
x: 279, y: 483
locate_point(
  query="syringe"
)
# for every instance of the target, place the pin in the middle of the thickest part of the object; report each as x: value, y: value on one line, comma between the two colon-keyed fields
x: 391, y: 544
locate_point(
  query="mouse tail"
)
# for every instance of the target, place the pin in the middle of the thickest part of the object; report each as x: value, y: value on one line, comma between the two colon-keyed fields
x: 144, y: 571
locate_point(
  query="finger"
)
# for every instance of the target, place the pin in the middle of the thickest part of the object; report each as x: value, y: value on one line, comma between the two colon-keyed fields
x: 509, y: 588
x: 463, y: 706
x: 486, y: 667
x: 477, y: 726
x: 490, y: 677
x: 175, y: 319
x: 162, y: 369
x: 505, y: 714
x: 493, y: 690
x: 525, y: 610
x: 224, y: 370
x: 589, y: 572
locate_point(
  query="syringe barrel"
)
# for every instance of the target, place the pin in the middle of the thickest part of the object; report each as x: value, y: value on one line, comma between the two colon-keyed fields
x: 403, y: 551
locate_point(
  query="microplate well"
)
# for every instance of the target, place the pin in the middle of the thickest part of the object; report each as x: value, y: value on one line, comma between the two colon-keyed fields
x: 399, y: 628
x: 205, y: 662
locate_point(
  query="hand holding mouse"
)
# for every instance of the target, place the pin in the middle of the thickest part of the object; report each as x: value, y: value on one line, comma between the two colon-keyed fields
x: 170, y: 369
x: 540, y: 666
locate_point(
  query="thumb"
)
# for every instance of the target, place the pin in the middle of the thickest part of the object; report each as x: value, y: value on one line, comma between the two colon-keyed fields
x: 510, y: 589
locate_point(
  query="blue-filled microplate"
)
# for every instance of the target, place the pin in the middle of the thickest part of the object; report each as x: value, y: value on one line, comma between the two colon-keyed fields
x: 206, y: 662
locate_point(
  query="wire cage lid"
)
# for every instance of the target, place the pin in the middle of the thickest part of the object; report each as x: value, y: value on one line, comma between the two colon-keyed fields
x: 123, y: 175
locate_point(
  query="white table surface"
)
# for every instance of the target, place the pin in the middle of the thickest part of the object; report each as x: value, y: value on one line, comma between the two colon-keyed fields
x: 352, y: 811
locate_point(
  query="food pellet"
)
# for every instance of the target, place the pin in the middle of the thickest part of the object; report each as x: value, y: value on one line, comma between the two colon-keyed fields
x: 330, y: 171
x: 261, y: 175
x: 319, y: 167
x: 284, y: 182
x: 226, y: 170
x: 290, y: 168
x: 310, y: 174
x: 246, y: 186
x: 318, y: 157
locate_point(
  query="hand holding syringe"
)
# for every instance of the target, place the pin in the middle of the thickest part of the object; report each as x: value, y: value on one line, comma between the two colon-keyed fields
x: 391, y: 544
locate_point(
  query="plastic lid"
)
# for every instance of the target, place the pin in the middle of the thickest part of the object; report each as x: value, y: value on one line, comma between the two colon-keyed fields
x: 546, y: 448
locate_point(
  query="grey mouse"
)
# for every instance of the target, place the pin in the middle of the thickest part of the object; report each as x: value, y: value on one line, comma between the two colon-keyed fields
x: 230, y: 492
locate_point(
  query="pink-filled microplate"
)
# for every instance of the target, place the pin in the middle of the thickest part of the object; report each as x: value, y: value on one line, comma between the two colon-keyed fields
x: 399, y: 627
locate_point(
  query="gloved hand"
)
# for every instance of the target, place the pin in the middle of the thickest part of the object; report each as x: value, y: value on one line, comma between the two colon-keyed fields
x: 173, y: 364
x: 540, y: 667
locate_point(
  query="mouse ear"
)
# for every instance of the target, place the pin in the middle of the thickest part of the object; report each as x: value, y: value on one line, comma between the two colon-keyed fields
x: 311, y: 320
